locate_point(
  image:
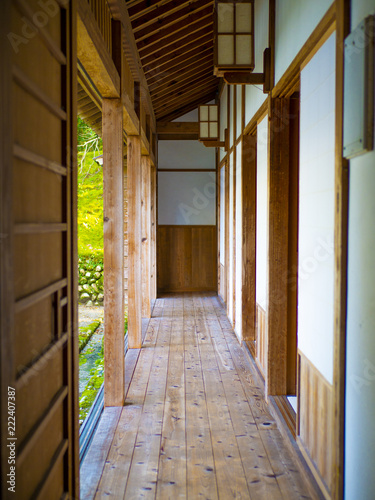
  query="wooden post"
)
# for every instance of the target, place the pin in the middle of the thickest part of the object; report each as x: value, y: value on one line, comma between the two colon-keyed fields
x: 278, y: 199
x: 146, y: 236
x: 249, y: 168
x: 341, y: 256
x: 113, y: 208
x: 134, y: 243
x: 153, y: 234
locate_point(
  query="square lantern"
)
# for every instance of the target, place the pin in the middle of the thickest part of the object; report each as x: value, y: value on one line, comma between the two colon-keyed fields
x: 234, y: 36
x: 209, y: 122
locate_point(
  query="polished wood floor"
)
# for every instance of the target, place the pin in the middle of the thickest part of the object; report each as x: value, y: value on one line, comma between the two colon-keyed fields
x: 195, y: 424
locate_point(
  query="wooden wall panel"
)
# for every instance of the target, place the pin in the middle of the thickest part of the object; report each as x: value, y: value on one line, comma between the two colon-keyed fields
x: 261, y: 338
x: 186, y: 257
x: 314, y: 420
x: 39, y: 321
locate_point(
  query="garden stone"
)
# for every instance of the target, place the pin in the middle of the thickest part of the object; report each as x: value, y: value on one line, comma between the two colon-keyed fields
x: 87, y: 288
x: 84, y: 297
x: 88, y: 275
x: 82, y: 271
x: 98, y: 268
x: 97, y: 275
x: 89, y: 303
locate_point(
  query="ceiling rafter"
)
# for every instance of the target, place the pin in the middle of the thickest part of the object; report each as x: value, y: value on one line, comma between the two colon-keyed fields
x: 175, y: 76
x: 172, y: 115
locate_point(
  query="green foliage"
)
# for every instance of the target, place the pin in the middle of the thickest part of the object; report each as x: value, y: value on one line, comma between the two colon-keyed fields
x: 92, y: 387
x: 85, y: 334
x: 90, y: 210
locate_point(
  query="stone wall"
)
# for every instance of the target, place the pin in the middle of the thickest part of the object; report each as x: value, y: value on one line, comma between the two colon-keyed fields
x: 90, y: 280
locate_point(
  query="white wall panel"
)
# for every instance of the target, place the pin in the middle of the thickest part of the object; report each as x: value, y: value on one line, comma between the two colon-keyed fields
x: 222, y: 215
x: 185, y: 154
x: 239, y: 242
x: 230, y: 273
x: 187, y: 198
x: 254, y: 93
x: 295, y: 21
x: 262, y: 214
x: 223, y: 118
x: 316, y: 210
x: 360, y: 350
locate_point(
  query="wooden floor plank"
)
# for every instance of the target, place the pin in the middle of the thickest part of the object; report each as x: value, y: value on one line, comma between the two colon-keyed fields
x: 195, y: 423
x: 93, y: 464
x: 201, y: 477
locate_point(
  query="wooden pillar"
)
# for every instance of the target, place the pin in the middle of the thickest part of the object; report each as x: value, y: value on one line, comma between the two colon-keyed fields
x: 113, y: 208
x: 134, y: 243
x: 146, y: 236
x: 153, y: 233
x: 249, y: 169
x: 278, y: 199
x: 341, y: 256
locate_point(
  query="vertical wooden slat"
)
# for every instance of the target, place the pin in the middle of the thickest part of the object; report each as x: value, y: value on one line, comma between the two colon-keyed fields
x: 134, y: 243
x: 113, y: 208
x: 248, y: 237
x: 278, y: 197
x: 146, y: 237
x: 341, y: 247
x: 72, y: 413
x: 6, y: 239
x: 153, y: 234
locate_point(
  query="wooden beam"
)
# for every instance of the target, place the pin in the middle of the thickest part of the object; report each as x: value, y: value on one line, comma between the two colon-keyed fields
x: 181, y: 128
x: 186, y: 97
x: 120, y: 12
x: 179, y: 38
x: 178, y: 48
x: 170, y: 20
x: 278, y: 192
x: 174, y: 80
x: 93, y: 54
x: 199, y: 82
x: 113, y: 208
x: 341, y: 256
x: 249, y: 163
x: 183, y: 109
x: 134, y: 243
x: 146, y: 236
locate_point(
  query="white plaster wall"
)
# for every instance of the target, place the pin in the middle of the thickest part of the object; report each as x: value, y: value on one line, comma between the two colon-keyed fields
x: 231, y: 117
x: 238, y: 324
x: 230, y: 273
x: 254, y: 93
x: 223, y: 118
x: 360, y: 352
x: 187, y: 198
x: 239, y: 110
x: 295, y: 21
x: 316, y: 210
x: 222, y: 215
x: 262, y: 214
x: 185, y: 154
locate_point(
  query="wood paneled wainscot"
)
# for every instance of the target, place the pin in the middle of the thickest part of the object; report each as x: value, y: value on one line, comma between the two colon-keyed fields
x: 187, y: 258
x: 261, y: 339
x: 314, y: 421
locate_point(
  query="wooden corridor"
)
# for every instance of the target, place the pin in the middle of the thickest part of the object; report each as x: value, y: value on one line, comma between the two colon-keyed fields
x: 195, y: 423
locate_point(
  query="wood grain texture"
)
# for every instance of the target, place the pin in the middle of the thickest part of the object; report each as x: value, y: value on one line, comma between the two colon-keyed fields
x: 186, y: 258
x: 261, y: 339
x: 134, y: 243
x: 146, y: 236
x: 315, y: 421
x: 113, y: 213
x: 38, y: 220
x: 278, y: 227
x: 248, y: 237
x: 196, y: 423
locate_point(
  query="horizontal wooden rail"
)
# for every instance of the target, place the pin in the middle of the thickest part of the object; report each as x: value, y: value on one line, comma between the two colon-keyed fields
x: 39, y: 295
x: 39, y: 228
x: 31, y: 157
x: 36, y: 366
x: 33, y: 89
x: 36, y: 432
x: 27, y: 11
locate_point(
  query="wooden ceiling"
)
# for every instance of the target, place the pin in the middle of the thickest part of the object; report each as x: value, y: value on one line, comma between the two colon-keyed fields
x: 175, y: 44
